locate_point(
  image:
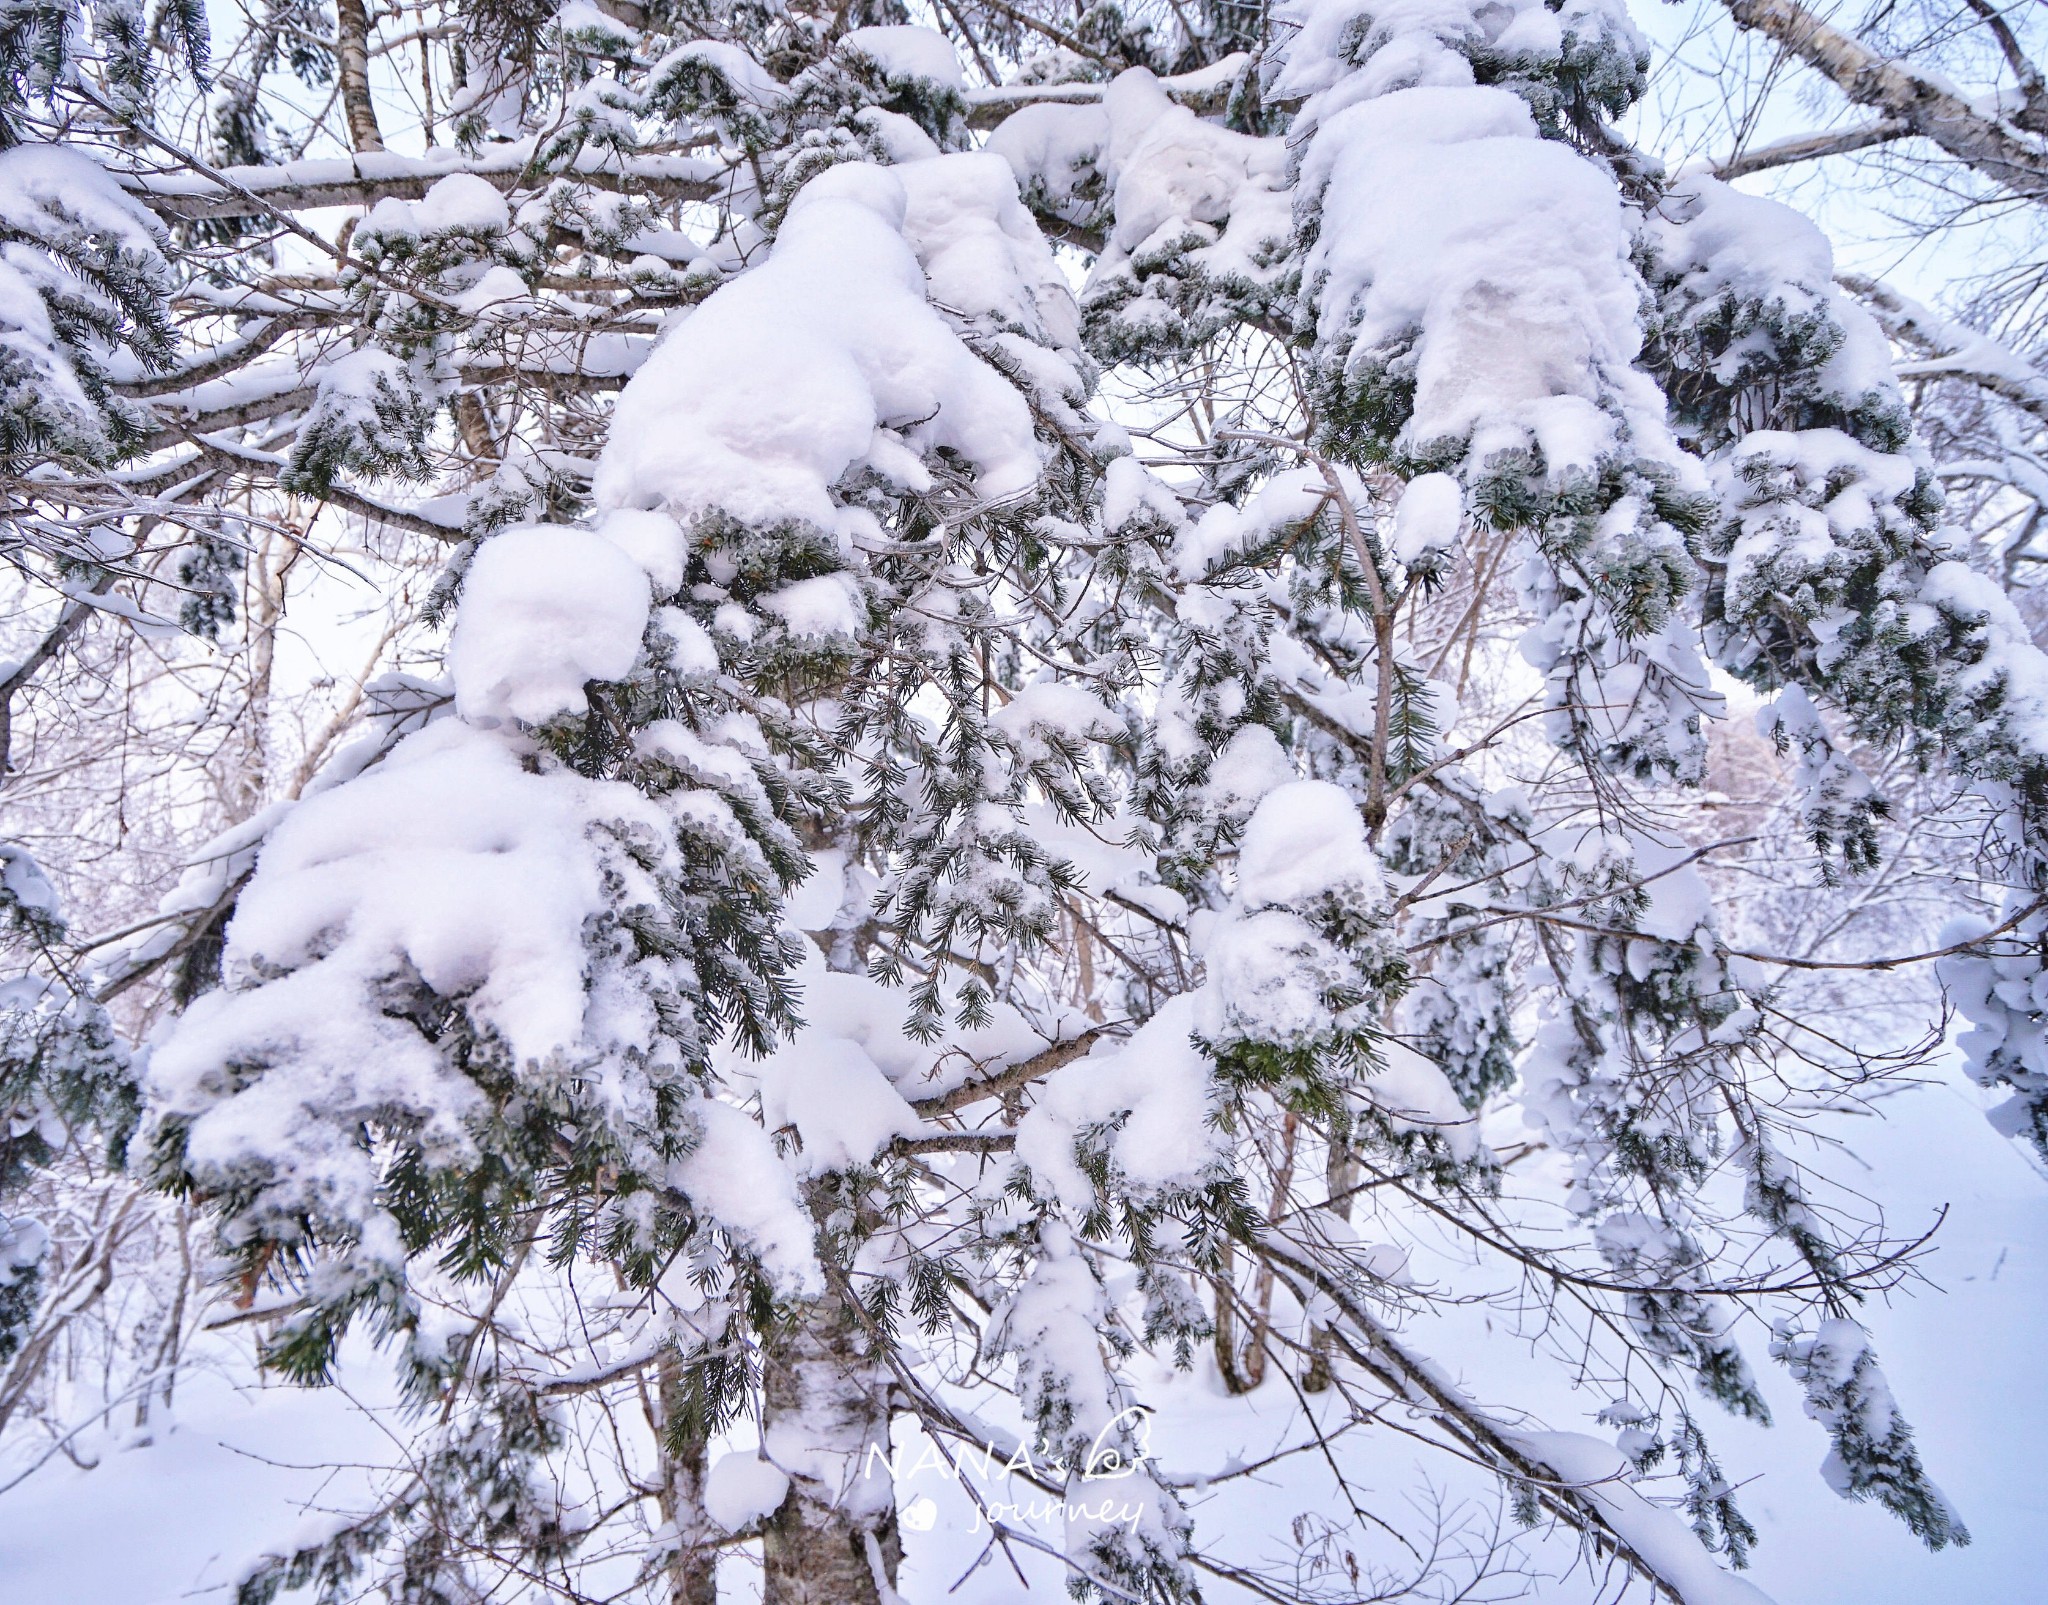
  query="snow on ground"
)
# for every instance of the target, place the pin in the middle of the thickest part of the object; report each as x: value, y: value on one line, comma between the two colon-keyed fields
x: 175, y: 1517
x: 241, y: 1470
x: 1958, y: 1360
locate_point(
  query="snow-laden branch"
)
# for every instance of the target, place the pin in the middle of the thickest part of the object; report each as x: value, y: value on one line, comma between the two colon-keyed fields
x: 1925, y: 103
x: 365, y: 179
x: 1950, y: 349
x: 1204, y: 92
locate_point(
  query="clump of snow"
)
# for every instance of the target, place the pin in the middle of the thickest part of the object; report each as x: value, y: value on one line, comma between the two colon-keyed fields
x: 462, y: 201
x: 843, y: 1108
x: 818, y: 900
x: 691, y: 649
x: 743, y: 76
x: 1415, y: 1095
x: 1342, y: 50
x: 498, y: 293
x: 42, y: 186
x: 1805, y: 504
x: 825, y: 606
x: 1269, y: 976
x: 1427, y: 520
x: 1172, y: 169
x: 741, y: 1488
x: 1050, y: 712
x: 1055, y: 151
x: 1719, y: 245
x: 986, y: 262
x: 909, y: 54
x: 784, y: 381
x: 653, y: 540
x: 1131, y: 491
x: 1680, y: 907
x: 1155, y: 1086
x: 1306, y: 838
x: 734, y: 1175
x: 1447, y: 229
x: 1251, y: 764
x: 1198, y: 217
x: 1052, y: 1326
x: 448, y: 865
x: 447, y: 860
x: 1223, y: 533
x: 1598, y: 1473
x: 545, y: 609
x: 873, y: 1019
x: 23, y: 885
x: 59, y: 202
x: 2010, y: 673
x: 583, y: 17
x: 676, y: 744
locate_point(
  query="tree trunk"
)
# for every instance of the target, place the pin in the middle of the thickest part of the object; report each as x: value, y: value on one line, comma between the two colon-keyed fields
x: 352, y: 53
x: 826, y: 1402
x: 1341, y: 1173
x: 693, y: 1568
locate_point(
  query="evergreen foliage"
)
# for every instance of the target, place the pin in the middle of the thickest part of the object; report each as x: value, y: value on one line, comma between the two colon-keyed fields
x: 968, y: 828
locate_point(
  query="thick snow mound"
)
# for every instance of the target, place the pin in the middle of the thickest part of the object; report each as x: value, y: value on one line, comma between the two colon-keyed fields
x: 1498, y: 260
x: 1305, y: 838
x: 742, y: 1488
x: 825, y: 359
x: 915, y: 55
x: 544, y: 610
x: 843, y: 1109
x: 1154, y: 1090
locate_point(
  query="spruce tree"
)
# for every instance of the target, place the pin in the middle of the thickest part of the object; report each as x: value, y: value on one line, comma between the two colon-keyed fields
x: 994, y: 828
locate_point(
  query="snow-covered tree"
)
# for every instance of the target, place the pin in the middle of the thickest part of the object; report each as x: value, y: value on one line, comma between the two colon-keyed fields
x: 1042, y: 743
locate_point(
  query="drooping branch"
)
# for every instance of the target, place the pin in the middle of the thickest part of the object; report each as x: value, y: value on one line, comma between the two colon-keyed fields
x: 1416, y: 1383
x: 2033, y: 115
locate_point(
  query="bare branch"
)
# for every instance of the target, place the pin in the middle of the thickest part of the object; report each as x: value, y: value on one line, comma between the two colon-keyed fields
x: 1810, y: 148
x: 1927, y: 105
